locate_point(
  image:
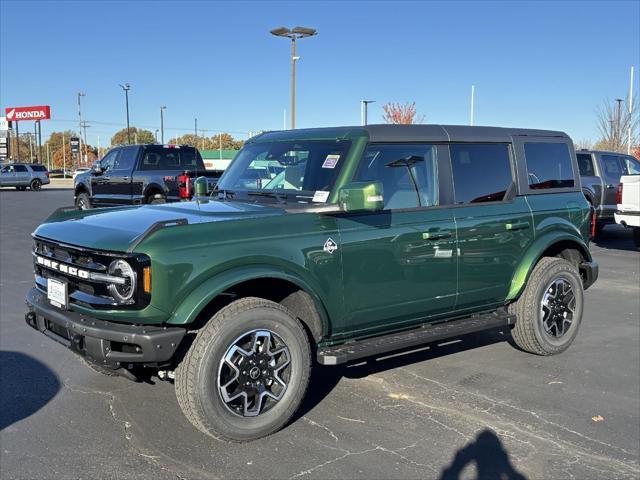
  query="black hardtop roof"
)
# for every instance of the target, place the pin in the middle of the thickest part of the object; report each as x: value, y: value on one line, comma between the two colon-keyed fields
x: 413, y: 133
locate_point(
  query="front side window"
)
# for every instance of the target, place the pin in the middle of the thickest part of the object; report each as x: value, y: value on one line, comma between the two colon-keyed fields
x: 408, y: 173
x: 548, y: 165
x: 304, y: 170
x: 109, y: 159
x: 20, y: 168
x: 481, y: 172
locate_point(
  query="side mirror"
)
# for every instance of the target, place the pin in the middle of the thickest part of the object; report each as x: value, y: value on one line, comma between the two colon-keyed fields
x: 97, y: 170
x: 361, y: 197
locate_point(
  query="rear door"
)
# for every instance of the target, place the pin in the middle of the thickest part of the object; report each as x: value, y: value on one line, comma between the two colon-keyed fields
x: 399, y: 264
x: 494, y: 225
x: 613, y: 167
x: 23, y: 176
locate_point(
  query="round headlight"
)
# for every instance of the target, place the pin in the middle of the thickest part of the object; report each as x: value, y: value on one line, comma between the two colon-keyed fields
x: 122, y: 292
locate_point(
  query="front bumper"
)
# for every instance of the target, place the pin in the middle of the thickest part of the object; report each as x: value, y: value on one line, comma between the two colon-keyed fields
x: 108, y: 344
x: 589, y: 272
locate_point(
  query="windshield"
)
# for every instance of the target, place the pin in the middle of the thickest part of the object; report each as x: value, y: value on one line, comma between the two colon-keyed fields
x: 301, y: 170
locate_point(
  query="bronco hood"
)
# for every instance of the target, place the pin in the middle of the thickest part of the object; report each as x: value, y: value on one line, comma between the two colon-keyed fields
x: 116, y: 229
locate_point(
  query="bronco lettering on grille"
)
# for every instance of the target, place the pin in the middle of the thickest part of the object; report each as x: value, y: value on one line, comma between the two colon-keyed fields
x: 62, y: 268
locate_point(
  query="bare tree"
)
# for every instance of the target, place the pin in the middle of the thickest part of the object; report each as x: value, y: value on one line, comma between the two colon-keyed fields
x: 401, y: 114
x: 613, y: 122
x: 585, y: 144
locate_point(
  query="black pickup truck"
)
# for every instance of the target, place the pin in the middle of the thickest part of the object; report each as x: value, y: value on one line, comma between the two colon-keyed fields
x: 138, y: 174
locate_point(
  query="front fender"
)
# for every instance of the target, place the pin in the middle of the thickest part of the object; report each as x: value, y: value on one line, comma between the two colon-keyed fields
x: 535, y: 252
x: 204, y: 293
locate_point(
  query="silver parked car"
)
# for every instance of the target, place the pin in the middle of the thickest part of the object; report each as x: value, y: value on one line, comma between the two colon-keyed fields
x: 23, y: 175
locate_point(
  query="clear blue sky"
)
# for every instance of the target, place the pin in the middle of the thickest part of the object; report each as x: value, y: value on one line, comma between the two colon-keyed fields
x: 535, y: 64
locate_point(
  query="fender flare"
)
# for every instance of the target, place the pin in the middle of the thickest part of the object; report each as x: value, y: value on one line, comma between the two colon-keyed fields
x: 191, y: 306
x: 80, y: 187
x: 534, y: 253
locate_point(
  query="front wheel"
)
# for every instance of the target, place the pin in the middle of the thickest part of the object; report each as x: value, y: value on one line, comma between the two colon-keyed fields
x: 246, y: 372
x: 549, y: 311
x: 36, y: 184
x: 83, y: 202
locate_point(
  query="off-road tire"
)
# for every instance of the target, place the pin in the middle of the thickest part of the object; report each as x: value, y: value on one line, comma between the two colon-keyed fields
x: 528, y: 333
x: 196, y: 379
x: 83, y: 200
x: 35, y: 184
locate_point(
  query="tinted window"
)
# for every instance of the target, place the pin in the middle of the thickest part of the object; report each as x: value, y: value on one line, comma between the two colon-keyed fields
x: 169, y: 159
x: 126, y: 159
x: 585, y: 164
x: 107, y: 162
x: 615, y: 166
x: 20, y: 168
x: 548, y: 165
x: 481, y: 172
x: 402, y: 169
x: 633, y: 165
x: 38, y: 168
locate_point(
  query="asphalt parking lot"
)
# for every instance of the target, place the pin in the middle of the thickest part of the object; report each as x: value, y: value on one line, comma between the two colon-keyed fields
x: 474, y: 407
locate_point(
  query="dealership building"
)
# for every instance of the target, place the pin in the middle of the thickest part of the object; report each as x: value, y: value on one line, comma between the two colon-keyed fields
x: 217, y: 159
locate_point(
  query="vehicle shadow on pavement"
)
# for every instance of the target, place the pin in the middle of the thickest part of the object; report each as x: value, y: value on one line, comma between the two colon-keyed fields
x: 26, y: 386
x: 615, y: 237
x: 324, y: 379
x: 488, y: 455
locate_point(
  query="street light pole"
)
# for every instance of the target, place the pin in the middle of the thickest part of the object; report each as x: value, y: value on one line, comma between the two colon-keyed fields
x: 126, y: 87
x: 618, y: 123
x: 365, y: 110
x: 293, y: 34
x: 162, y: 108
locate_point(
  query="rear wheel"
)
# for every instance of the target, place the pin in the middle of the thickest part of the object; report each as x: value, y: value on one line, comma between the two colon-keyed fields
x: 549, y: 311
x: 36, y: 184
x: 246, y: 372
x: 83, y: 202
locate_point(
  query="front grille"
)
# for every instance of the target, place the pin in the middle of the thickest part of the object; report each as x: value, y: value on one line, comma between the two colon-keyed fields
x: 78, y: 264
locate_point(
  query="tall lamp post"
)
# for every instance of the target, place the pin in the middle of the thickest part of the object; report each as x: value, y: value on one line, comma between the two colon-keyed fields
x: 293, y: 34
x: 365, y: 108
x: 162, y: 109
x: 126, y: 87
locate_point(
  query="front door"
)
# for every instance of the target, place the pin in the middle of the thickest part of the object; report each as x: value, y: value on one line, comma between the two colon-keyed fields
x: 495, y: 227
x: 101, y: 183
x: 399, y: 264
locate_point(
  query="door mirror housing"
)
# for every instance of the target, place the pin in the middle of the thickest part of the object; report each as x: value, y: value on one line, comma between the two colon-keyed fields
x: 97, y: 169
x: 361, y: 197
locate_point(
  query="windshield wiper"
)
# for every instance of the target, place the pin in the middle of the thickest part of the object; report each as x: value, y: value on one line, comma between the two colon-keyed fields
x: 281, y: 197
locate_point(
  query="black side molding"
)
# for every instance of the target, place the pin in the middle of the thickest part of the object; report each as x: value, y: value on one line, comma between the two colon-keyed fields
x: 427, y: 333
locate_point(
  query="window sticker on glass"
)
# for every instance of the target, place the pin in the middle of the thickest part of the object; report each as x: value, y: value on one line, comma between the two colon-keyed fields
x: 331, y: 161
x: 320, y: 196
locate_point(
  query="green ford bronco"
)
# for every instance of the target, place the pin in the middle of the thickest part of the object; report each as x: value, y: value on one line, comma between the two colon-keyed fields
x: 321, y: 245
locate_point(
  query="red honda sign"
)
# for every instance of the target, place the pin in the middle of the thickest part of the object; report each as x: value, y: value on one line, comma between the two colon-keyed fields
x: 15, y: 114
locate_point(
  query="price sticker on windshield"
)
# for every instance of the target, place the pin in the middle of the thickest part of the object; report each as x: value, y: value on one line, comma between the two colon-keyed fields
x: 320, y: 196
x: 331, y: 161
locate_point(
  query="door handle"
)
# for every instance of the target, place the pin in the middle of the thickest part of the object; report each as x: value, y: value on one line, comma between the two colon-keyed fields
x: 436, y: 235
x: 517, y: 226
x: 611, y: 186
x: 126, y: 179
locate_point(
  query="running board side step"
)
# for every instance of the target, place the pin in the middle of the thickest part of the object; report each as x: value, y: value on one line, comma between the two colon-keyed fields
x: 426, y: 333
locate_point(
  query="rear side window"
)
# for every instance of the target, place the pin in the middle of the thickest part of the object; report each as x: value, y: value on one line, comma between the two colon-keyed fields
x: 38, y: 168
x: 20, y: 168
x: 633, y: 165
x: 585, y: 164
x: 169, y: 159
x: 481, y: 172
x: 548, y: 165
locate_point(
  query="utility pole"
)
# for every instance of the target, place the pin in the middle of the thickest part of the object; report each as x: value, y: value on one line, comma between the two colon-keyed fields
x: 473, y: 99
x: 86, y: 151
x: 630, y: 133
x: 30, y: 148
x: 293, y: 34
x: 364, y: 108
x: 196, y: 128
x: 80, y: 94
x: 17, y: 150
x: 162, y: 108
x: 48, y: 158
x: 618, y: 123
x: 64, y: 158
x: 126, y: 87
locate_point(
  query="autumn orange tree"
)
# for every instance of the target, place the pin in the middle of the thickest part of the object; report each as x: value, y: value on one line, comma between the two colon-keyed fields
x: 401, y: 114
